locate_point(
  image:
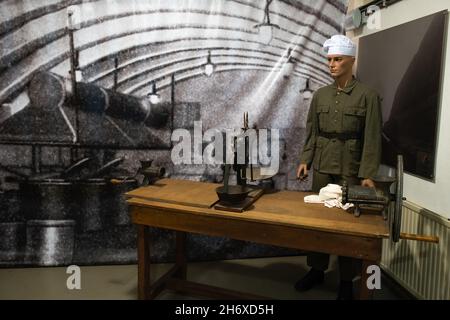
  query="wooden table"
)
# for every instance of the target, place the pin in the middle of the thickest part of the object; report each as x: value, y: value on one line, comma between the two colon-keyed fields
x: 280, y: 219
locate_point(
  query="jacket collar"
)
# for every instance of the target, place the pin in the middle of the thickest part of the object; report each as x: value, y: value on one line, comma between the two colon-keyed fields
x: 349, y: 87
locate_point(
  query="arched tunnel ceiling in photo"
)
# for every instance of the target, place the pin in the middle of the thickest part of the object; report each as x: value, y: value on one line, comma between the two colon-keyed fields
x: 149, y: 41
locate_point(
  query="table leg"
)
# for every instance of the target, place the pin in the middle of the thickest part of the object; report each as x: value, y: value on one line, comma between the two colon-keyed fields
x: 143, y: 262
x: 181, y: 258
x: 364, y: 292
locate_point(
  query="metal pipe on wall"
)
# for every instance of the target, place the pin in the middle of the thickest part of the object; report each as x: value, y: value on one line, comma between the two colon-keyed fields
x: 48, y: 90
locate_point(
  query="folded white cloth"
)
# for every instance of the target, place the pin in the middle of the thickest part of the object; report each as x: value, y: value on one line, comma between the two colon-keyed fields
x: 314, y: 198
x: 331, y: 191
x: 338, y: 204
x: 330, y: 196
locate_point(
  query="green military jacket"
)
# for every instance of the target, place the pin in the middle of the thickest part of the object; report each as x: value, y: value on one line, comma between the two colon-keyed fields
x: 343, y: 131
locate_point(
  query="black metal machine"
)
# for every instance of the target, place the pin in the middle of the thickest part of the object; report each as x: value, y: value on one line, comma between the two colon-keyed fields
x: 381, y: 196
x: 241, y: 195
x: 387, y: 196
x: 236, y: 193
x: 151, y: 173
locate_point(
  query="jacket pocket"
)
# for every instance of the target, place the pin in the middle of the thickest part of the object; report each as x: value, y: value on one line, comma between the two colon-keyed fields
x: 353, y: 119
x: 352, y: 157
x: 323, y: 117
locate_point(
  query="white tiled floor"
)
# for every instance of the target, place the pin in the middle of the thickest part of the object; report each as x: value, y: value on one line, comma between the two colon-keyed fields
x: 271, y: 277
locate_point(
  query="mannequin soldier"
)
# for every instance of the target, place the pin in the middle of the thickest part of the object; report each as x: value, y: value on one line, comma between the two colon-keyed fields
x: 343, y: 142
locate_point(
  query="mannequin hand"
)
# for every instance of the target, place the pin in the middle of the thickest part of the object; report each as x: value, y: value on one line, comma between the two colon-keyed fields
x: 302, y: 171
x: 368, y: 183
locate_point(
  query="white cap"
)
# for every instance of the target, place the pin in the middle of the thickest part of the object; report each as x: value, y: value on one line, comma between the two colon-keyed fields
x: 340, y: 45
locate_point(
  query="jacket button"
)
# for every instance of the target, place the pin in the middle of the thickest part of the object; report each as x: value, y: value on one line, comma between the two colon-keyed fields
x: 337, y: 102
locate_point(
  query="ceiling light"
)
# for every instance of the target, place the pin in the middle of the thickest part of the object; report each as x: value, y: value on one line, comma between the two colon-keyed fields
x: 153, y: 95
x: 209, y: 67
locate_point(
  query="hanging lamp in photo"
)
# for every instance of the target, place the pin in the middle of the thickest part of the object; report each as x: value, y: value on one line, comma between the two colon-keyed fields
x: 265, y: 29
x: 209, y: 66
x: 153, y: 95
x: 307, y: 93
x: 288, y: 66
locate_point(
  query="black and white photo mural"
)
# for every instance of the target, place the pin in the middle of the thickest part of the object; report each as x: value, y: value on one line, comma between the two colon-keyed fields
x: 92, y: 91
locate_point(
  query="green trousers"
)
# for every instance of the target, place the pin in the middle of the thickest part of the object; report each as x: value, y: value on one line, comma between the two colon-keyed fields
x: 348, y: 267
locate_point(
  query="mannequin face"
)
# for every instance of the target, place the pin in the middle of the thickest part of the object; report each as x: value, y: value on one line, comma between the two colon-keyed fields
x: 340, y: 65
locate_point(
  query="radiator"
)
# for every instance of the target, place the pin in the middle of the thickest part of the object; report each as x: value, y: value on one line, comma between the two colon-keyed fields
x: 420, y: 267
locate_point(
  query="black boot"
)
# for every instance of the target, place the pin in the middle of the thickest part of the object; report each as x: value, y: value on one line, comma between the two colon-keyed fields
x: 312, y: 278
x: 345, y: 290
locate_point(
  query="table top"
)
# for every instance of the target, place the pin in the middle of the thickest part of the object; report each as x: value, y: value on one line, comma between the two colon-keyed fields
x: 280, y: 208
